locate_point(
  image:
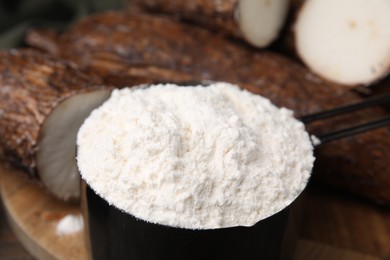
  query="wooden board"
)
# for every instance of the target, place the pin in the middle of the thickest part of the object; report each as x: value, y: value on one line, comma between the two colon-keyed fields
x: 337, y: 219
x: 33, y: 215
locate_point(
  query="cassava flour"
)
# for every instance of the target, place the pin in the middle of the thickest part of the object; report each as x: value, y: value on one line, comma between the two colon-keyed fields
x: 194, y: 157
x: 69, y: 225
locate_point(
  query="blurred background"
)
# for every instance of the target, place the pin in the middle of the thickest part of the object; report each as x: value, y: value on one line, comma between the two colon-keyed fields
x: 16, y: 16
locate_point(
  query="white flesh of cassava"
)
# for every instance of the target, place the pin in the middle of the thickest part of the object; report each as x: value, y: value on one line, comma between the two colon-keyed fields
x: 56, y: 158
x: 345, y: 41
x: 262, y: 20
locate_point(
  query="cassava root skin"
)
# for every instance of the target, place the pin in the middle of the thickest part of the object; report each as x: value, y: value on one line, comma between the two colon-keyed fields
x: 130, y: 45
x: 32, y: 86
x: 217, y: 15
x: 43, y: 39
x: 259, y: 22
x: 121, y: 48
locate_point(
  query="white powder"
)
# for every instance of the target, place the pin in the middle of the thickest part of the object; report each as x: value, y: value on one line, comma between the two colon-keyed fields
x: 315, y: 141
x: 69, y: 224
x: 194, y: 157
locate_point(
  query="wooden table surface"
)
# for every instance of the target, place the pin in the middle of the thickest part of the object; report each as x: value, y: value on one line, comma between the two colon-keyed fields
x: 334, y: 226
x: 339, y: 220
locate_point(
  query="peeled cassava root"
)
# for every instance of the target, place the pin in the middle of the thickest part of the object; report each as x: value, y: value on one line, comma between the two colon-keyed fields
x: 121, y: 47
x: 43, y: 102
x: 344, y: 41
x: 257, y: 21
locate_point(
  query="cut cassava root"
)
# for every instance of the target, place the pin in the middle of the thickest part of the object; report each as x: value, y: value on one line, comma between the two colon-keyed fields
x: 56, y: 149
x: 344, y: 41
x: 43, y: 101
x: 257, y: 21
x: 262, y: 21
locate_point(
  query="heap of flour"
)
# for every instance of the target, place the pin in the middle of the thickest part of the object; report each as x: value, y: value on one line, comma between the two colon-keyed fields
x: 194, y: 157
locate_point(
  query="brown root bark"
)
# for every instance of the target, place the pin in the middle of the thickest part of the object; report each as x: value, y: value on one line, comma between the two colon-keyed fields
x: 43, y: 39
x: 218, y: 16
